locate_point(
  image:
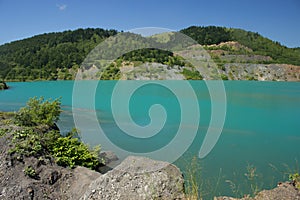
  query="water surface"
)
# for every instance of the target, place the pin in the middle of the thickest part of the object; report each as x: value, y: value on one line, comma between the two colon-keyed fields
x: 261, y: 127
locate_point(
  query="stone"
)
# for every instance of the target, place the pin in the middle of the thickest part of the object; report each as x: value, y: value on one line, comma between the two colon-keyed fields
x: 108, y: 156
x: 284, y: 191
x: 138, y: 178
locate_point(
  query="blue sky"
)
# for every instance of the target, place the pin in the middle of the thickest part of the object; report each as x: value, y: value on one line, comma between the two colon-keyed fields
x: 277, y: 20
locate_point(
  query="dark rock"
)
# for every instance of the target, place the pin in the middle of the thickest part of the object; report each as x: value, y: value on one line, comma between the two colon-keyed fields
x: 110, y: 160
x: 3, y: 85
x: 50, y: 177
x: 108, y: 156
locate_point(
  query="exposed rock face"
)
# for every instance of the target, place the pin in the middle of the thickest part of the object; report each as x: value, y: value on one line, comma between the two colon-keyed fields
x: 284, y: 191
x: 261, y: 72
x: 138, y: 178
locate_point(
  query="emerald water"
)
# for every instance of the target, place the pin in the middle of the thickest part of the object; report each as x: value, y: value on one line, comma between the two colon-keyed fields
x: 261, y: 126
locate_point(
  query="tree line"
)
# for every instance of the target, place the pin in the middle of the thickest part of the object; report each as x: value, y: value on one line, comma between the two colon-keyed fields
x: 53, y: 56
x: 259, y: 44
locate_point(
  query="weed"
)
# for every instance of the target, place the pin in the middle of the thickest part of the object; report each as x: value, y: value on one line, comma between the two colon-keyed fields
x: 30, y: 171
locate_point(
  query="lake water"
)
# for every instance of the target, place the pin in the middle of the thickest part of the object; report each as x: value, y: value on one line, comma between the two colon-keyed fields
x: 262, y: 126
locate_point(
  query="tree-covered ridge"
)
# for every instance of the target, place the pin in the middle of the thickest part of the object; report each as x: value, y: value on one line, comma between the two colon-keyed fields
x: 259, y: 44
x: 53, y: 56
x: 49, y: 56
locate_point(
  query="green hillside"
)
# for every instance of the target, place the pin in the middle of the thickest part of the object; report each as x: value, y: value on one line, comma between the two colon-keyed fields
x: 48, y: 56
x: 53, y: 56
x: 259, y: 44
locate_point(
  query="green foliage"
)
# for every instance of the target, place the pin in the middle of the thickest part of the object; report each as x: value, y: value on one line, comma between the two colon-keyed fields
x: 224, y: 77
x: 249, y: 186
x: 193, y: 175
x: 3, y: 131
x: 252, y: 175
x: 38, y: 111
x: 30, y: 171
x: 67, y: 151
x: 295, y: 178
x: 153, y: 55
x: 259, y: 44
x: 27, y: 143
x: 42, y: 57
x: 192, y: 74
x: 55, y: 56
x: 112, y: 72
x: 208, y: 35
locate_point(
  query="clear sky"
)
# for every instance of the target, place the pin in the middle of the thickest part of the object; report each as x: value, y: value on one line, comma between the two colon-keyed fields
x: 278, y: 20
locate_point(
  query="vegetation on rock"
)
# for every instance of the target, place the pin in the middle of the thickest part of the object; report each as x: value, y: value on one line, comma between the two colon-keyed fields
x: 39, y: 137
x: 38, y: 111
x: 295, y: 178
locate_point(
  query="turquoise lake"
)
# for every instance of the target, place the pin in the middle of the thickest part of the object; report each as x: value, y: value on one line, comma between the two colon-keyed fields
x: 262, y: 126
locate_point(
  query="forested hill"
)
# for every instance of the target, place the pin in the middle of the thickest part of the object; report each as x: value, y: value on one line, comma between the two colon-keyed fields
x: 53, y: 56
x: 49, y: 56
x: 259, y: 44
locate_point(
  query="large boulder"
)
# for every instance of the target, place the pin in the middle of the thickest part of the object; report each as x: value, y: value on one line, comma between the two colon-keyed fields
x: 138, y: 178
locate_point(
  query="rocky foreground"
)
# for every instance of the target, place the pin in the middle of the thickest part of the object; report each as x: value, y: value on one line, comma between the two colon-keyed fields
x: 33, y: 177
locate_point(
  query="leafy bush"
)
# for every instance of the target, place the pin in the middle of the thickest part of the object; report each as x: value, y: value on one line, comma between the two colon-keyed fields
x: 69, y: 151
x: 30, y: 171
x: 192, y: 75
x: 295, y: 178
x: 3, y: 131
x: 38, y: 111
x: 31, y: 141
x: 27, y: 143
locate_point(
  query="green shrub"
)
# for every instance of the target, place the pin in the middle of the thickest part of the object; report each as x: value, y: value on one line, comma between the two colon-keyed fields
x: 31, y: 141
x: 38, y: 111
x: 3, y: 131
x: 224, y: 77
x: 27, y: 143
x: 295, y: 178
x: 30, y: 171
x: 191, y: 74
x: 69, y: 151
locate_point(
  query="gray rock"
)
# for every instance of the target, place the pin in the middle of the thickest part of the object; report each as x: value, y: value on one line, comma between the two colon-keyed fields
x: 284, y: 191
x: 108, y: 156
x: 83, y: 177
x: 138, y: 178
